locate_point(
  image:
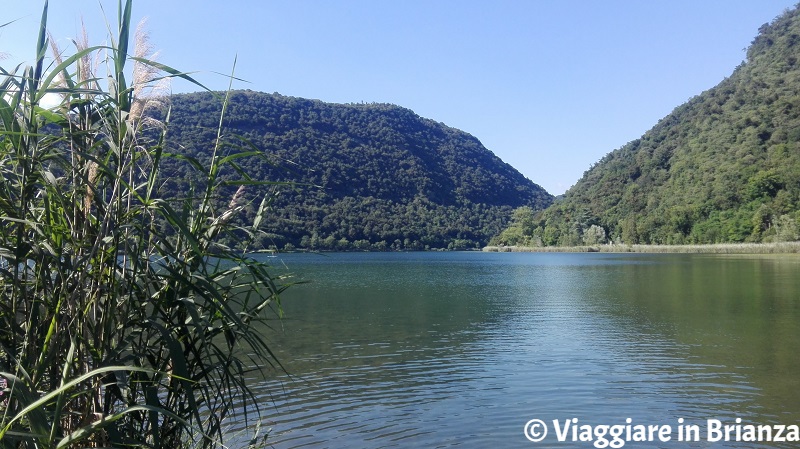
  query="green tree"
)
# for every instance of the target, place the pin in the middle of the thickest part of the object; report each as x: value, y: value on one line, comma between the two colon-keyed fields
x: 594, y: 235
x: 764, y: 184
x: 786, y: 229
x: 525, y: 219
x: 630, y: 232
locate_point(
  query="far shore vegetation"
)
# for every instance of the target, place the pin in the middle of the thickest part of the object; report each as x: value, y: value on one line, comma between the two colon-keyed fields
x: 719, y: 248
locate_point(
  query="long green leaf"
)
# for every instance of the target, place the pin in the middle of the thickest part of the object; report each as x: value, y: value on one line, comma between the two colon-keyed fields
x: 122, y: 40
x: 173, y: 73
x: 90, y: 429
x: 41, y: 45
x: 60, y: 68
x: 36, y: 405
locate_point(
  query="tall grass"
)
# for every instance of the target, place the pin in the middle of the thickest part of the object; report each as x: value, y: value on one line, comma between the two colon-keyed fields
x: 123, y: 320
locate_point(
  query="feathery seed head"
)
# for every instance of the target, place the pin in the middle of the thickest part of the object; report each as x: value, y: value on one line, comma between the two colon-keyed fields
x: 148, y: 90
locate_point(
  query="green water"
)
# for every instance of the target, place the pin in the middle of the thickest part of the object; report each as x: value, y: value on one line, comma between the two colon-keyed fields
x: 462, y: 349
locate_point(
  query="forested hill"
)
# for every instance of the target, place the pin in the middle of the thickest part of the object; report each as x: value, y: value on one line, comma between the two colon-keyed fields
x: 723, y: 167
x: 376, y: 176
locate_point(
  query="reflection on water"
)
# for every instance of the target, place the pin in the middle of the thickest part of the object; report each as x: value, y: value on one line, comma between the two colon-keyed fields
x: 462, y: 349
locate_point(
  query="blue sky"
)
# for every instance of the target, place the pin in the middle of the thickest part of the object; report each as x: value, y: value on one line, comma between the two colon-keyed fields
x: 548, y: 86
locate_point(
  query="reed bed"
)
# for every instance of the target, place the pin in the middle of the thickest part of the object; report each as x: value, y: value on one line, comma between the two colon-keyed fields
x: 124, y: 322
x: 719, y: 248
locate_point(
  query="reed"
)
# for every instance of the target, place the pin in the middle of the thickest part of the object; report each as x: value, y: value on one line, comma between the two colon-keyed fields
x: 123, y: 320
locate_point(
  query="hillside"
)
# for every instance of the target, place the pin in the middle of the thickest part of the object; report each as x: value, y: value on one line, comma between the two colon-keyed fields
x: 369, y: 176
x: 723, y: 167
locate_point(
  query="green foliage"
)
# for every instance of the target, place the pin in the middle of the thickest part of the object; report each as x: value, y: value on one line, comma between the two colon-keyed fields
x: 786, y: 229
x: 763, y: 185
x: 723, y: 167
x: 124, y: 319
x: 376, y: 173
x: 521, y: 232
x: 594, y: 235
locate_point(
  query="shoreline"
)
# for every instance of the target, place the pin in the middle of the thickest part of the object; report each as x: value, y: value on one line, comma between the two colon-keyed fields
x: 716, y: 248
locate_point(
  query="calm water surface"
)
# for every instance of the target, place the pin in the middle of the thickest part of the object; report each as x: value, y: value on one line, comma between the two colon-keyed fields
x: 462, y: 349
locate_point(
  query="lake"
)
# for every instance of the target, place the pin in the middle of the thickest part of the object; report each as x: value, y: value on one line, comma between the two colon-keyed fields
x: 464, y: 349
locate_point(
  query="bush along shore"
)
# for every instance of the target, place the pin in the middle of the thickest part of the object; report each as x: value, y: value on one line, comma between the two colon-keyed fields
x: 719, y: 248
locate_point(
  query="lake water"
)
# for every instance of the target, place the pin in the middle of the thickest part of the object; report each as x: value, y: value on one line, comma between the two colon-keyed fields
x: 463, y: 349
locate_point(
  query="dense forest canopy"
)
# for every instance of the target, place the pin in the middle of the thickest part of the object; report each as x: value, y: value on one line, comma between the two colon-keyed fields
x: 723, y: 167
x: 367, y: 176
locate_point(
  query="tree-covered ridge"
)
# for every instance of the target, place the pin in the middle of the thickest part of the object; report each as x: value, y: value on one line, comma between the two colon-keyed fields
x: 376, y: 176
x: 723, y: 167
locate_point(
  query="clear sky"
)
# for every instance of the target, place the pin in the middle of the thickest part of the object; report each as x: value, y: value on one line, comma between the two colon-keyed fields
x: 550, y: 86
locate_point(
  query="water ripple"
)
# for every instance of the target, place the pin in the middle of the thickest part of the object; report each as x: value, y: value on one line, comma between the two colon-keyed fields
x: 462, y: 352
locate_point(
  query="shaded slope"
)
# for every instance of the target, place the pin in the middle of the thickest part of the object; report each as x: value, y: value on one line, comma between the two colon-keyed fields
x: 386, y: 177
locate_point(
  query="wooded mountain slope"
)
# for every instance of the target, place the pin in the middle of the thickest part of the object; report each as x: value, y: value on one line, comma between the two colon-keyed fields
x: 723, y: 167
x: 375, y: 176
